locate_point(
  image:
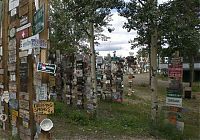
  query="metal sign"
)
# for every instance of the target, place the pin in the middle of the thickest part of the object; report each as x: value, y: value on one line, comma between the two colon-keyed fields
x: 43, y: 92
x: 23, y: 20
x: 39, y: 43
x: 12, y: 44
x: 23, y: 104
x: 38, y: 20
x: 13, y: 4
x: 48, y: 68
x: 26, y: 43
x: 1, y: 10
x: 174, y: 101
x: 23, y: 27
x: 13, y: 12
x: 43, y: 108
x: 12, y: 32
x: 22, y: 34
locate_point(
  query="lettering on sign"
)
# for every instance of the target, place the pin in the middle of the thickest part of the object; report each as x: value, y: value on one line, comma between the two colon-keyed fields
x: 43, y: 108
x: 23, y: 75
x: 13, y: 95
x: 15, y: 113
x: 43, y: 92
x: 174, y: 101
x: 12, y: 76
x: 23, y: 20
x: 26, y: 43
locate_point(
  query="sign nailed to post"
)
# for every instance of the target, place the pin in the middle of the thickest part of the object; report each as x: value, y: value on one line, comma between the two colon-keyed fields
x: 38, y: 21
x: 43, y: 108
x: 48, y: 68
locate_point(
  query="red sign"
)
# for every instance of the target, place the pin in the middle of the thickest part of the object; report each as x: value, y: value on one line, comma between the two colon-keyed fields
x: 175, y: 71
x: 22, y: 34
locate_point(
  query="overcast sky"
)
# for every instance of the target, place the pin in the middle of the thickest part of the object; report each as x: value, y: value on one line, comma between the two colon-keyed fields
x: 119, y: 38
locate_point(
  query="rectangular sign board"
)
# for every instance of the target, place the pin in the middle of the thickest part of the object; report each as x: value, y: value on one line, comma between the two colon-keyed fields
x: 43, y: 108
x: 47, y: 68
x: 171, y: 101
x: 38, y: 20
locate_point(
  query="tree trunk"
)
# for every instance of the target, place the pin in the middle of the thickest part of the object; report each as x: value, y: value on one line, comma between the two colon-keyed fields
x: 154, y: 98
x: 93, y: 59
x: 191, y: 70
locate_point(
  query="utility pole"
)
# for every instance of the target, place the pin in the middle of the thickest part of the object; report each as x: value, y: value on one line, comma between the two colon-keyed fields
x: 5, y: 54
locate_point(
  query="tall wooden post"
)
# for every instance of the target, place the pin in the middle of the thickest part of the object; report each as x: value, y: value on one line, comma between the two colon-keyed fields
x: 5, y: 53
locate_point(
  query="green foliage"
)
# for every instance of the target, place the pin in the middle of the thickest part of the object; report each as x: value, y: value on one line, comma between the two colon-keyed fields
x: 70, y: 21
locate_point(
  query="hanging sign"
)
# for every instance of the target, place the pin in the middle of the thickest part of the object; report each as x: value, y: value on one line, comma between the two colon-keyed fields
x: 43, y: 108
x: 38, y: 20
x: 47, y: 68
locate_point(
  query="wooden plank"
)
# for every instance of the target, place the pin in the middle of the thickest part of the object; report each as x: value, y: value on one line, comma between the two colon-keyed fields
x: 23, y: 10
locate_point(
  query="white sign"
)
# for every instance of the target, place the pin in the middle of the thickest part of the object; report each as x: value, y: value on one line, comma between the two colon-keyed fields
x: 5, y: 97
x: 13, y: 12
x: 13, y: 4
x: 23, y: 27
x: 170, y: 101
x: 26, y: 43
x: 43, y: 92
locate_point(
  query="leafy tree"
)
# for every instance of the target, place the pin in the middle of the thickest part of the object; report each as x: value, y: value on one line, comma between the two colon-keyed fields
x: 180, y: 26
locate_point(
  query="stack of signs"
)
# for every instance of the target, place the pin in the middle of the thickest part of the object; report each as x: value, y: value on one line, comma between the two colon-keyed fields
x: 67, y: 72
x: 79, y: 75
x: 174, y: 91
x: 107, y: 79
x: 99, y: 62
x: 118, y: 84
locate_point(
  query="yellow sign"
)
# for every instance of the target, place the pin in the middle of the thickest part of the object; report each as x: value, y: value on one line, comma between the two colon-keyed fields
x: 14, y: 113
x: 43, y: 108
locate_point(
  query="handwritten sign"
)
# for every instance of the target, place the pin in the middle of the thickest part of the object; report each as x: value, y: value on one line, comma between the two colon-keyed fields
x: 43, y: 108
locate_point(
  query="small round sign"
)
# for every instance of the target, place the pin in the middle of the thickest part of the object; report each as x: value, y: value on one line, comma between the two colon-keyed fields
x: 12, y: 32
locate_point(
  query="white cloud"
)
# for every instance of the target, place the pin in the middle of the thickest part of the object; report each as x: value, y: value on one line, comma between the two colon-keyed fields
x: 119, y: 37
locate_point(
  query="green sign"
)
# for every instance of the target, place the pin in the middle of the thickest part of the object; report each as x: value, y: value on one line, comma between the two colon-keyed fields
x: 38, y: 21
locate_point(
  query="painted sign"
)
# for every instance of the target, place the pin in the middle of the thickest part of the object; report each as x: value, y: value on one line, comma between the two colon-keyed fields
x: 26, y: 43
x: 38, y: 20
x: 47, y: 68
x: 22, y: 34
x: 43, y: 92
x: 43, y: 108
x: 39, y: 43
x: 174, y: 101
x: 23, y: 27
x: 13, y: 4
x: 23, y: 20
